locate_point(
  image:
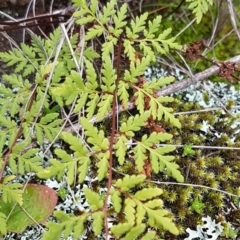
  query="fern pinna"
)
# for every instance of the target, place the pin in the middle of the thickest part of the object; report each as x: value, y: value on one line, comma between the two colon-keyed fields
x: 93, y: 89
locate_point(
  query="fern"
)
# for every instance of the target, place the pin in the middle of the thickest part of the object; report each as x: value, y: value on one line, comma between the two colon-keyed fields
x: 199, y: 7
x: 30, y: 115
x: 3, y: 224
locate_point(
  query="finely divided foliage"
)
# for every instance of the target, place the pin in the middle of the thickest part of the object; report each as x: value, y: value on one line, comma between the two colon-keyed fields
x: 199, y: 7
x: 30, y: 114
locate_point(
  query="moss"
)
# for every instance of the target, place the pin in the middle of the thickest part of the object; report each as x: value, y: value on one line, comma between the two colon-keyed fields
x: 215, y: 168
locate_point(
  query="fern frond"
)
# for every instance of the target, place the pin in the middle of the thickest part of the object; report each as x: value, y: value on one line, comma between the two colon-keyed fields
x: 129, y: 209
x: 134, y: 124
x: 129, y: 182
x: 68, y: 227
x: 104, y: 106
x: 149, y: 235
x: 94, y: 199
x: 98, y: 218
x: 120, y: 229
x: 24, y: 162
x: 122, y: 92
x: 116, y: 200
x: 108, y: 76
x: 103, y: 165
x: 95, y: 137
x: 108, y: 11
x: 135, y: 232
x: 148, y: 193
x: 24, y: 60
x: 153, y: 27
x: 157, y: 110
x: 48, y: 126
x: 137, y: 26
x: 119, y: 22
x: 156, y: 84
x: 12, y: 192
x: 3, y: 224
x: 199, y: 7
x: 121, y: 149
x: 159, y: 218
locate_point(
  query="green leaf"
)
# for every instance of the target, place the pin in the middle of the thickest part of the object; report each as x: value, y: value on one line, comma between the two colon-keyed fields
x: 120, y: 229
x: 129, y: 182
x: 199, y: 7
x: 148, y: 193
x: 151, y: 235
x: 109, y: 75
x: 136, y: 26
x: 103, y: 165
x: 121, y: 149
x: 197, y: 206
x: 12, y: 193
x: 140, y: 213
x: 97, y: 222
x: 76, y: 144
x: 108, y: 11
x: 94, y: 199
x: 69, y: 226
x: 158, y: 218
x: 3, y: 224
x: 122, y: 92
x: 116, y: 200
x: 130, y: 210
x: 104, y: 106
x: 119, y: 22
x: 187, y: 150
x: 95, y: 137
x: 134, y: 124
x: 96, y: 31
x: 39, y: 202
x: 135, y: 232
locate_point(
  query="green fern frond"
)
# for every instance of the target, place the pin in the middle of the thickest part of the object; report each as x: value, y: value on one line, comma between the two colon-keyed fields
x: 159, y: 218
x: 75, y: 144
x: 137, y: 26
x: 3, y: 223
x: 122, y: 92
x: 157, y: 110
x: 103, y: 164
x: 12, y: 192
x: 135, y: 232
x: 199, y: 7
x: 134, y: 124
x: 120, y: 229
x: 153, y: 27
x: 68, y: 227
x: 94, y: 199
x: 24, y: 162
x: 108, y: 11
x: 108, y: 76
x: 129, y: 182
x: 157, y: 158
x: 156, y: 84
x: 148, y: 193
x: 116, y: 200
x: 25, y: 61
x: 119, y: 22
x: 129, y: 209
x: 95, y: 137
x: 121, y: 149
x: 98, y: 218
x: 149, y: 235
x: 48, y: 126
